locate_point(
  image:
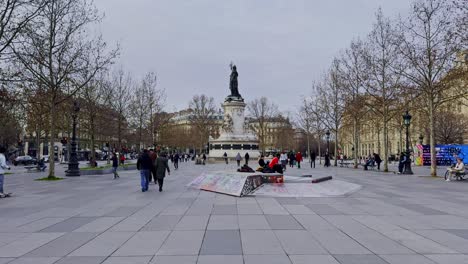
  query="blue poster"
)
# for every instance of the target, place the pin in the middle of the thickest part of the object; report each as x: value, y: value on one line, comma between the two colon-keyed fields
x: 445, y: 154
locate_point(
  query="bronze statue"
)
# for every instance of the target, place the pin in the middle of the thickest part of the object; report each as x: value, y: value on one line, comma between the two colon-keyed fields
x: 233, y: 85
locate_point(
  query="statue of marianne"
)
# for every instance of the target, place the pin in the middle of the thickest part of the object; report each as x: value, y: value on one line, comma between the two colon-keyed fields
x: 233, y: 84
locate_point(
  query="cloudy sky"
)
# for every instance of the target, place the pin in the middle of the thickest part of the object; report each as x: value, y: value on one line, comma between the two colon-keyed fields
x: 279, y: 47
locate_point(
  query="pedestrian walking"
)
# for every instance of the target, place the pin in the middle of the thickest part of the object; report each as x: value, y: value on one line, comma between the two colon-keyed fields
x: 122, y: 158
x: 377, y: 160
x: 176, y: 161
x: 284, y: 161
x: 292, y: 159
x: 327, y: 160
x: 204, y: 159
x: 238, y: 159
x: 313, y: 156
x: 298, y: 159
x: 162, y: 164
x: 247, y: 157
x: 115, y: 165
x: 144, y: 165
x: 225, y: 157
x: 3, y: 167
x: 401, y: 163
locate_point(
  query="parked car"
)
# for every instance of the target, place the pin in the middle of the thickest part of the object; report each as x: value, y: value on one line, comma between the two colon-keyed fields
x: 24, y: 160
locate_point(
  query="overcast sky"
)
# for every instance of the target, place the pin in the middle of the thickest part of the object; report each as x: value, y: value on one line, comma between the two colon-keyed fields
x: 279, y: 47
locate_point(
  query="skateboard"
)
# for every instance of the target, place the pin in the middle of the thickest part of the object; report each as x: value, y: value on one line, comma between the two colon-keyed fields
x: 5, y: 195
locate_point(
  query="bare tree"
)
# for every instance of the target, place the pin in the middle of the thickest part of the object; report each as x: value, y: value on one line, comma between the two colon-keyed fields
x: 383, y: 82
x: 428, y: 44
x: 119, y: 100
x: 262, y: 111
x: 15, y: 15
x: 55, y: 49
x: 332, y: 103
x: 305, y: 120
x: 156, y: 100
x: 353, y: 75
x: 202, y: 119
x: 139, y: 112
x: 450, y: 127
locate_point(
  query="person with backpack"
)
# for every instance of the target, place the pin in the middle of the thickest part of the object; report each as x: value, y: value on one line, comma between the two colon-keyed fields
x: 144, y: 165
x: 115, y: 165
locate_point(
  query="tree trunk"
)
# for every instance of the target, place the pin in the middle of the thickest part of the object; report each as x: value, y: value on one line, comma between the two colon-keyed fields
x: 319, y: 151
x: 385, y: 135
x: 308, y: 144
x: 51, y: 141
x: 336, y: 147
x: 356, y: 143
x: 432, y: 141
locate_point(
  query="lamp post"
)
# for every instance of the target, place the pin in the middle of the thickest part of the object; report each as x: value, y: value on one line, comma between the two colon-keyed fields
x: 407, y: 122
x: 421, y: 138
x: 73, y: 168
x: 327, y: 154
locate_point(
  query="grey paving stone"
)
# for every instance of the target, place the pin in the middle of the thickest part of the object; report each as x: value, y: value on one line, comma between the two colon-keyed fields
x: 182, y: 243
x: 128, y: 260
x: 323, y: 209
x: 298, y: 209
x: 288, y: 200
x: 124, y: 211
x: 192, y: 222
x: 314, y: 222
x: 378, y: 243
x: 250, y: 209
x: 221, y: 242
x: 225, y: 259
x: 316, y: 259
x: 282, y: 222
x: 422, y: 209
x: 145, y: 243
x: 69, y: 225
x: 446, y: 239
x: 223, y: 222
x: 81, y: 260
x: 26, y: 244
x: 298, y: 242
x: 463, y: 233
x: 253, y: 222
x: 413, y: 259
x: 40, y: 224
x: 225, y: 209
x: 336, y: 242
x: 7, y: 238
x: 270, y: 259
x: 449, y: 258
x: 260, y: 242
x: 174, y: 260
x: 418, y: 243
x: 200, y: 209
x: 5, y: 260
x: 99, y: 225
x: 162, y: 222
x: 26, y: 260
x: 359, y: 259
x: 63, y: 245
x: 103, y: 245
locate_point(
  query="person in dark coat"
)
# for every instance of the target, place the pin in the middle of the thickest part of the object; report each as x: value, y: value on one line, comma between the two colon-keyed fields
x: 115, y: 165
x: 377, y: 160
x: 327, y: 160
x: 144, y: 165
x: 292, y: 158
x: 225, y: 157
x: 152, y: 175
x: 204, y: 159
x: 176, y: 161
x: 313, y: 156
x: 162, y: 164
x: 247, y: 157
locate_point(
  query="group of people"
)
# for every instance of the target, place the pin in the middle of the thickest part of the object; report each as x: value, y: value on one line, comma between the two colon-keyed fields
x: 152, y: 167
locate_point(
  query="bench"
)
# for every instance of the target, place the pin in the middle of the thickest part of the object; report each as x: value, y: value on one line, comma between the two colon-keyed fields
x: 345, y: 163
x: 34, y: 168
x: 459, y: 176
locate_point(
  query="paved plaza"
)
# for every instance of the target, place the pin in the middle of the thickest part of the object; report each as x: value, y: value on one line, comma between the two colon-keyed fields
x: 392, y: 219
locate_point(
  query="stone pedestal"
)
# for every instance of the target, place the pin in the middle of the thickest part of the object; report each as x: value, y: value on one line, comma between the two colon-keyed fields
x: 235, y: 136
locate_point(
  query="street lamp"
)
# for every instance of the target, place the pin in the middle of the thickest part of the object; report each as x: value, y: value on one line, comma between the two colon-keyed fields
x: 327, y: 155
x: 407, y: 122
x: 421, y: 138
x: 73, y: 168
